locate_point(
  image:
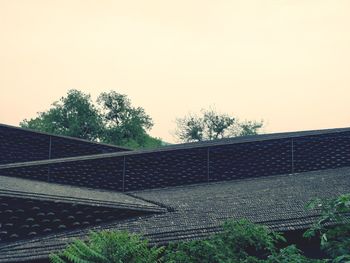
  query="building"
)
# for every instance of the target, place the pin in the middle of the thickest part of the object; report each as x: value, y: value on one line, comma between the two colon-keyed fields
x: 54, y: 189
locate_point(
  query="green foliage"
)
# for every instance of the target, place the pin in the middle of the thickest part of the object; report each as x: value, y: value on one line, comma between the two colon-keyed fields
x: 244, y: 239
x: 216, y: 124
x: 190, y: 128
x: 108, y: 247
x: 333, y: 227
x: 125, y: 124
x: 249, y: 128
x: 290, y: 254
x: 212, y: 125
x: 193, y: 251
x: 113, y: 120
x: 240, y: 241
x: 73, y: 115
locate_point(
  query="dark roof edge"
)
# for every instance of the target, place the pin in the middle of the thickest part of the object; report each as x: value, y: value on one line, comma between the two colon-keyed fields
x: 63, y: 136
x: 87, y: 196
x: 205, y: 144
x: 84, y: 201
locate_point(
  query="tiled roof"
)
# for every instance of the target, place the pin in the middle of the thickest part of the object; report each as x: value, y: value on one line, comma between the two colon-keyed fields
x: 21, y: 145
x: 231, y: 159
x: 198, y: 210
x: 177, y: 192
x: 36, y: 190
x: 315, y: 134
x: 30, y: 209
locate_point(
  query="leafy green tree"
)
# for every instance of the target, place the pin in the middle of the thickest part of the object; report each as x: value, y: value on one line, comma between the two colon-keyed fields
x: 108, y: 247
x: 123, y: 123
x: 249, y: 128
x: 112, y: 121
x: 73, y: 115
x: 290, y: 254
x: 211, y: 125
x: 333, y: 227
x: 190, y: 128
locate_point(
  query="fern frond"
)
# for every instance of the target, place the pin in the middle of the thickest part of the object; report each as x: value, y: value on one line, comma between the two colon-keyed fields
x: 54, y: 258
x: 74, y: 254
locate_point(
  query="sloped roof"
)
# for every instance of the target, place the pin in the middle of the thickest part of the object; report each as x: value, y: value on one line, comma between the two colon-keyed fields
x: 22, y: 145
x: 192, y: 145
x: 198, y: 210
x: 231, y: 159
x: 30, y: 210
x: 36, y: 190
x: 171, y: 193
x: 35, y: 132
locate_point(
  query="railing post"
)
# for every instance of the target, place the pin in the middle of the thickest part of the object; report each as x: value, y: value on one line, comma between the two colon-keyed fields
x: 50, y: 144
x: 208, y: 164
x: 292, y: 156
x: 48, y: 167
x: 124, y: 161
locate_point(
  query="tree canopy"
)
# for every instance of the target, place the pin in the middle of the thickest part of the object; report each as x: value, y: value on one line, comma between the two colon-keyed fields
x: 112, y: 120
x: 211, y: 125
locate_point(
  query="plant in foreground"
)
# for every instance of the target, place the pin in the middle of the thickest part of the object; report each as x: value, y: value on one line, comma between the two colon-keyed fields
x: 108, y: 247
x: 239, y: 241
x: 333, y: 227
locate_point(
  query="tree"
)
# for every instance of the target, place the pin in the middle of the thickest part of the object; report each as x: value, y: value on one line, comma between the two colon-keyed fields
x: 333, y: 227
x: 73, y: 115
x: 113, y: 120
x: 123, y: 123
x: 211, y: 125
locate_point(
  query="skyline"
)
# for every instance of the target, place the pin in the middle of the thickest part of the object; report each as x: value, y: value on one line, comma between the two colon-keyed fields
x: 286, y: 62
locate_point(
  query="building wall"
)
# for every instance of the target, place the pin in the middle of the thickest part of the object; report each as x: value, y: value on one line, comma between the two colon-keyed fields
x: 20, y: 145
x: 191, y: 165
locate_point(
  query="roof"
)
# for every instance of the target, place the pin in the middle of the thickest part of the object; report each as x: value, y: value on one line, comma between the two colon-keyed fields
x: 232, y: 159
x: 192, y: 145
x: 36, y: 190
x: 62, y: 136
x: 198, y: 210
x: 22, y: 145
x: 30, y: 209
x: 177, y: 192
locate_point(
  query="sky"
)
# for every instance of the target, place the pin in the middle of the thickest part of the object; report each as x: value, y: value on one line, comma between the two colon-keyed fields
x: 284, y: 61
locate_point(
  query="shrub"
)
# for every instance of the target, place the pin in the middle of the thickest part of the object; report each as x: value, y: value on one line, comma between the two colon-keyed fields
x: 333, y: 227
x: 108, y: 247
x: 290, y: 254
x: 240, y: 241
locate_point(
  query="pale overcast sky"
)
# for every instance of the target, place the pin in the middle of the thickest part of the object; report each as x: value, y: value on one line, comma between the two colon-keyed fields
x: 284, y: 61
